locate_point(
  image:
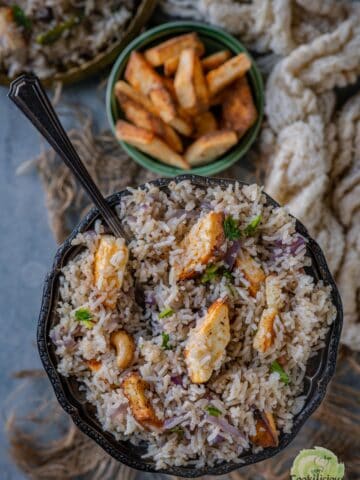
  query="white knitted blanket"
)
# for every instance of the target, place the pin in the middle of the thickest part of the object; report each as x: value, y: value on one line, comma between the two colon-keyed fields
x: 309, y: 148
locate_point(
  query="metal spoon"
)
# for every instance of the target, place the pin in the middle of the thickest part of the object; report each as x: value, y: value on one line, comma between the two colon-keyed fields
x: 30, y: 97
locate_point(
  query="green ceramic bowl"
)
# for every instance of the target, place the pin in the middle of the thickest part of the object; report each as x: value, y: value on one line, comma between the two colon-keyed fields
x: 214, y: 39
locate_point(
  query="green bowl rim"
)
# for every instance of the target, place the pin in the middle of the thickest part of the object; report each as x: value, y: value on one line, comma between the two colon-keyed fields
x: 230, y: 42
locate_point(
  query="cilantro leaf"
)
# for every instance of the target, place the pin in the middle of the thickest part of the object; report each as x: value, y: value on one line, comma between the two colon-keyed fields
x: 84, y: 316
x: 210, y: 273
x: 276, y: 367
x: 252, y: 226
x: 165, y: 341
x: 20, y: 17
x: 179, y: 430
x: 231, y: 228
x: 213, y: 411
x: 227, y: 274
x: 167, y: 312
x: 231, y: 290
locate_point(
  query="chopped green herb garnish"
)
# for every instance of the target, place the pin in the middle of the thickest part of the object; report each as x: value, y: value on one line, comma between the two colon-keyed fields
x: 52, y: 35
x: 165, y: 341
x: 231, y: 228
x: 178, y: 430
x: 213, y: 411
x: 20, y: 17
x: 210, y: 273
x: 84, y: 316
x: 276, y: 367
x: 251, y: 228
x: 227, y: 274
x: 231, y: 289
x: 167, y: 312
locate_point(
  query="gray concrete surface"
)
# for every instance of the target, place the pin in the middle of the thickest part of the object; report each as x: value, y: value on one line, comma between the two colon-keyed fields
x: 26, y: 248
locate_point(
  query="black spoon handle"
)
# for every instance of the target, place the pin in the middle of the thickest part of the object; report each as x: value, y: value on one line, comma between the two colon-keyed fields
x: 30, y: 97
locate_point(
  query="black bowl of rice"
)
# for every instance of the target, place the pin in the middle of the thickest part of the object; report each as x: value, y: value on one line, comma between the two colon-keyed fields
x: 205, y: 343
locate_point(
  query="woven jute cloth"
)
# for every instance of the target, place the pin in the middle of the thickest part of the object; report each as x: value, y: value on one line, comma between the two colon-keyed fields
x: 307, y: 157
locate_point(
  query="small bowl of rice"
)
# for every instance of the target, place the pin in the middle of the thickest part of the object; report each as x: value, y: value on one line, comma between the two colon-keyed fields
x: 202, y: 345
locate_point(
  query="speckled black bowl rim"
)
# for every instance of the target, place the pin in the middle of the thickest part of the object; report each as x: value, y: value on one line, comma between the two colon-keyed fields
x: 122, y: 451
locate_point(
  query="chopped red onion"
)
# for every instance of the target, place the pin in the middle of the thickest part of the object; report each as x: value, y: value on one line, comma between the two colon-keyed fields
x: 227, y: 428
x: 293, y: 247
x: 177, y: 380
x: 206, y: 205
x: 179, y: 213
x: 218, y: 439
x: 173, y: 422
x: 232, y: 253
x: 150, y: 298
x: 121, y: 409
x: 296, y: 244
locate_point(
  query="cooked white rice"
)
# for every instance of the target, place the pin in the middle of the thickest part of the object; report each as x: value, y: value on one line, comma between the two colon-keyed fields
x: 244, y: 384
x: 99, y: 25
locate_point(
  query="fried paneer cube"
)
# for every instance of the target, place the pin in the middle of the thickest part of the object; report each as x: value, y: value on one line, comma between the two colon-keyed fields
x: 205, y: 123
x: 144, y: 78
x: 266, y: 433
x: 238, y: 108
x: 134, y: 388
x: 215, y: 59
x: 94, y: 365
x: 228, y: 72
x: 210, y: 146
x: 252, y: 271
x: 201, y: 245
x: 141, y: 117
x: 206, y: 345
x: 172, y: 48
x: 273, y: 292
x: 11, y: 39
x: 265, y: 335
x: 110, y: 262
x: 148, y: 142
x: 190, y: 83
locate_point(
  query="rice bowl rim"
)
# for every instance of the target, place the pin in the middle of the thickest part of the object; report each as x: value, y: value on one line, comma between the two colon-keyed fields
x: 70, y: 398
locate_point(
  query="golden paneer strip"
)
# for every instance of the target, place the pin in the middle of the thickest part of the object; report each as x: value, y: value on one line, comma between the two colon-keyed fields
x: 204, y: 123
x: 229, y: 71
x: 273, y: 292
x: 110, y: 261
x: 252, y: 271
x: 182, y: 125
x: 201, y: 245
x: 124, y: 89
x: 11, y: 39
x: 266, y: 433
x: 134, y: 388
x: 164, y: 103
x: 148, y: 143
x: 169, y: 85
x: 265, y: 335
x: 190, y: 84
x: 206, y: 345
x: 94, y: 365
x: 215, y: 60
x: 124, y: 346
x: 162, y: 52
x: 141, y: 117
x: 144, y: 78
x: 238, y: 108
x: 210, y: 146
x: 171, y: 65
